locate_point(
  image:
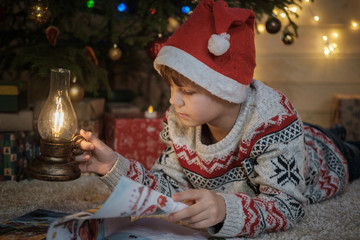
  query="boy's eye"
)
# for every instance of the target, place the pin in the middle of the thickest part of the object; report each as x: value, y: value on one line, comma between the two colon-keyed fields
x: 188, y: 92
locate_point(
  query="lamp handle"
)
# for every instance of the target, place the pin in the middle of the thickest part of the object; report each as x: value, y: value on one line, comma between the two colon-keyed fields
x: 75, y: 148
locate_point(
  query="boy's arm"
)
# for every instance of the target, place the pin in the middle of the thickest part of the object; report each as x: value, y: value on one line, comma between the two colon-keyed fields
x: 166, y: 176
x: 278, y: 175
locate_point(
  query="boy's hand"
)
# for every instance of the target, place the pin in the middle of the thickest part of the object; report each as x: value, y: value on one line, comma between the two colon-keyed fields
x: 98, y: 157
x: 206, y: 208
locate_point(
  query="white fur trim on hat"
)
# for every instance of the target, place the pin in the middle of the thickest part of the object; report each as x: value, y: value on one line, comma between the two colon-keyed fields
x: 218, y: 44
x: 198, y: 72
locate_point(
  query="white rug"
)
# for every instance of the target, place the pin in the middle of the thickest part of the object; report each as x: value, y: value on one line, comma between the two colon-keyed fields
x: 337, y: 218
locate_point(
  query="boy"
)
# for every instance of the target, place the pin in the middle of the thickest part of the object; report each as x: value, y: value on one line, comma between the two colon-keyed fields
x: 238, y: 153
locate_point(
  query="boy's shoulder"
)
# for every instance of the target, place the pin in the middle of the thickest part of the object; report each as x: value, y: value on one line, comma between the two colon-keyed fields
x: 260, y: 88
x: 270, y: 103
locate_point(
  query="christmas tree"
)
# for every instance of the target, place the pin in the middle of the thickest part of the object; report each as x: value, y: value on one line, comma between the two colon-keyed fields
x: 90, y: 36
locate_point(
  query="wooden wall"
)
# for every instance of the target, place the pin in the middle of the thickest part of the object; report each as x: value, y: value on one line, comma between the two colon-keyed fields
x: 301, y: 70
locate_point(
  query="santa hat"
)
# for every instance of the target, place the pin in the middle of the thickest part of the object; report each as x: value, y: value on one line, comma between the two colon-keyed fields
x: 215, y: 49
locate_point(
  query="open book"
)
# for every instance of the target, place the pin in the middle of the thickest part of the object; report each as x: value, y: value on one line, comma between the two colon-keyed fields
x: 113, y: 219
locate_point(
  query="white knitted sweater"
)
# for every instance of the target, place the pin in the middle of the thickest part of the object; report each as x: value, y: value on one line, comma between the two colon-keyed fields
x: 268, y: 168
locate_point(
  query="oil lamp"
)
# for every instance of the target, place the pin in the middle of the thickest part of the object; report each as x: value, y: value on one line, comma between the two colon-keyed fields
x: 57, y: 126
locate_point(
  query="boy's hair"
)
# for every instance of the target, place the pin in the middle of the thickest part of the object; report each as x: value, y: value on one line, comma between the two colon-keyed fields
x: 170, y: 75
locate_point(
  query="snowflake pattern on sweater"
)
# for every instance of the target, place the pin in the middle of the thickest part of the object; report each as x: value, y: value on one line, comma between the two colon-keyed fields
x: 268, y: 168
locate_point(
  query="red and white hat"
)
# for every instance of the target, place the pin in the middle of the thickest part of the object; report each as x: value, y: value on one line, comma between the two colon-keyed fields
x: 215, y: 49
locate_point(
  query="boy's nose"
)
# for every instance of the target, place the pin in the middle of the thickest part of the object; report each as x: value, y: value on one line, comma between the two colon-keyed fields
x: 175, y: 99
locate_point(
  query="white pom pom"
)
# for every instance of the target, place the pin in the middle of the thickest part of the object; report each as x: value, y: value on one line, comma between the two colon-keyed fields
x: 219, y: 44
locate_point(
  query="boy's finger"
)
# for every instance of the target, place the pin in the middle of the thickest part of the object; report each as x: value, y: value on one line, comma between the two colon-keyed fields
x: 83, y: 166
x: 90, y: 137
x: 86, y: 145
x: 180, y: 215
x: 188, y: 195
x: 186, y: 213
x: 201, y: 216
x: 83, y: 157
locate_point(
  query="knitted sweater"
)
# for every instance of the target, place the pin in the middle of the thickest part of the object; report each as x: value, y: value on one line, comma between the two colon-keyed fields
x: 268, y: 168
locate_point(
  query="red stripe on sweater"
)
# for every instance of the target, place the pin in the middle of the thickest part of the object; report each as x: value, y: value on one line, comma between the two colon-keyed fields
x: 328, y: 183
x: 252, y: 216
x: 274, y: 124
x: 275, y: 220
x: 136, y: 173
x: 214, y: 168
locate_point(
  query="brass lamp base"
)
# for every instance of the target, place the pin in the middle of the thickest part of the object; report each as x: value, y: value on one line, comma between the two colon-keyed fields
x: 54, y: 163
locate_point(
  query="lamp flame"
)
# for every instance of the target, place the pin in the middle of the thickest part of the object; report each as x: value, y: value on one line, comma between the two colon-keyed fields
x: 58, y: 118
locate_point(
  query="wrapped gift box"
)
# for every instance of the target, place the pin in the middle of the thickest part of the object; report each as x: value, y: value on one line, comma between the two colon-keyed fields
x: 346, y: 111
x: 13, y: 97
x: 17, y: 149
x: 17, y: 121
x: 135, y: 137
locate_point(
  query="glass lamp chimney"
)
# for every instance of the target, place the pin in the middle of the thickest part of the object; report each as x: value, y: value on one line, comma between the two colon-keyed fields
x: 57, y: 121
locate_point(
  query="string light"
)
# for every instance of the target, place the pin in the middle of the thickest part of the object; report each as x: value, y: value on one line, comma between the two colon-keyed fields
x: 326, y: 51
x: 152, y: 11
x: 261, y: 28
x: 293, y: 9
x: 121, y: 7
x: 185, y: 9
x: 354, y: 25
x: 315, y: 17
x: 329, y: 48
x: 90, y: 3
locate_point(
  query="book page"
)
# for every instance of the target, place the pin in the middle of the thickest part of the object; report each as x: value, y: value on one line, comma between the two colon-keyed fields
x: 129, y: 198
x: 157, y: 229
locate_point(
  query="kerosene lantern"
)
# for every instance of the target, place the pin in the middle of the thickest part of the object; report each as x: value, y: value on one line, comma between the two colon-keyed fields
x: 57, y: 126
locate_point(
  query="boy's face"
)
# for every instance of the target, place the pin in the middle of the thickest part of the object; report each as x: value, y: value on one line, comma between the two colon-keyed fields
x: 195, y: 106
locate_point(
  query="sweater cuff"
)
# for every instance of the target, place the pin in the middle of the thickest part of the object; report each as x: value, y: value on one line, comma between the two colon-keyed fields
x: 112, y: 177
x: 234, y: 220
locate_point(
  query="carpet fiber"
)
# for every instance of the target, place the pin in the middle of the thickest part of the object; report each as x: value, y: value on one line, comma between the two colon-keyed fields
x: 336, y: 218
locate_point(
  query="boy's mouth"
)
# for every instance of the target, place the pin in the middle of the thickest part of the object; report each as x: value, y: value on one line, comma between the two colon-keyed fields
x: 181, y: 115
